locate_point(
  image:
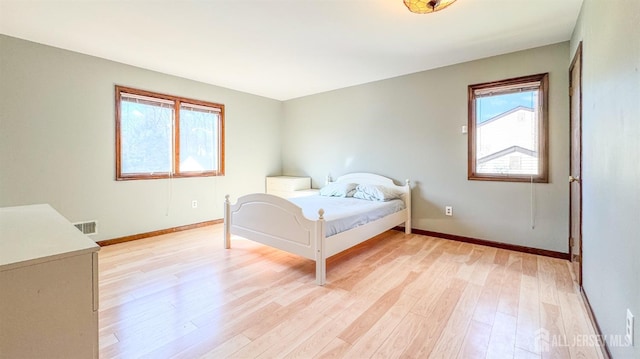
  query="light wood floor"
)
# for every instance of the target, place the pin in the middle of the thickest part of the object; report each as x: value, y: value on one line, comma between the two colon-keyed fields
x: 182, y: 295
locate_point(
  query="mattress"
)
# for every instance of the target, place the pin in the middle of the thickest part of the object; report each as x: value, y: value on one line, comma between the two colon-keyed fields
x: 342, y: 214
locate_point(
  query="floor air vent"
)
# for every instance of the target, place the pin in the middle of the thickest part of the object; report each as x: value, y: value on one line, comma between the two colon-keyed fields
x: 90, y: 227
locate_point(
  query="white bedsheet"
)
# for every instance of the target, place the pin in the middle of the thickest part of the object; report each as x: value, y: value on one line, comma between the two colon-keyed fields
x: 342, y: 214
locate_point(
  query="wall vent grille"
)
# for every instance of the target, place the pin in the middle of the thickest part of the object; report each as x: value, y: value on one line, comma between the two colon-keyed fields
x: 89, y: 227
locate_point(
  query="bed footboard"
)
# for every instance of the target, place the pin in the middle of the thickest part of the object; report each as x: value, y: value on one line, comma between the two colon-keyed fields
x: 278, y: 223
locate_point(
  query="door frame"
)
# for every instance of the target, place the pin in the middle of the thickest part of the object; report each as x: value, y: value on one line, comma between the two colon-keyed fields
x: 577, y: 57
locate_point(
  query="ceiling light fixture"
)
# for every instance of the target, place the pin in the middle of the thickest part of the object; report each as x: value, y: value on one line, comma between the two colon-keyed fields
x: 427, y: 6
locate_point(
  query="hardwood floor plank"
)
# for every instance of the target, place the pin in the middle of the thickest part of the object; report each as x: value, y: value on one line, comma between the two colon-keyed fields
x: 335, y: 349
x: 227, y: 348
x: 530, y: 265
x: 483, y: 266
x: 523, y: 354
x: 503, y: 336
x: 502, y: 257
x: 553, y: 337
x: 131, y: 313
x: 564, y: 282
x: 237, y: 308
x: 451, y: 339
x: 428, y: 274
x: 284, y: 345
x: 489, y: 298
x: 476, y: 341
x: 210, y: 335
x: 346, y: 277
x: 436, y: 284
x: 365, y: 321
x: 577, y: 327
x: 313, y: 345
x: 383, y: 278
x: 528, y: 315
x: 182, y: 295
x: 328, y: 333
x: 510, y: 291
x: 370, y: 341
x: 285, y: 311
x: 420, y: 252
x: 547, y: 281
x: 402, y: 336
x: 438, y: 314
x: 142, y: 341
x: 292, y: 329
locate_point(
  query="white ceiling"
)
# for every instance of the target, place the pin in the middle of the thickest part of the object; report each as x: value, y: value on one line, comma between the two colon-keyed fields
x: 284, y: 49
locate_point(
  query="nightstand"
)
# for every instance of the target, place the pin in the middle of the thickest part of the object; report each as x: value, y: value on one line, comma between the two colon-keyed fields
x: 289, y: 186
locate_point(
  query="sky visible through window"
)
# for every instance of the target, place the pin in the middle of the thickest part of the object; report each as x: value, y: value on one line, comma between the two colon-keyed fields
x: 492, y: 106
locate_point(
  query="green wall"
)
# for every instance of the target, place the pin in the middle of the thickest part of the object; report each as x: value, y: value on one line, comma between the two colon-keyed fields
x: 409, y: 127
x: 610, y: 35
x: 57, y: 142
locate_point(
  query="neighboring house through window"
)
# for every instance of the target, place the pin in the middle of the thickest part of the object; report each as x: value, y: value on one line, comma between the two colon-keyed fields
x: 162, y: 136
x: 508, y: 130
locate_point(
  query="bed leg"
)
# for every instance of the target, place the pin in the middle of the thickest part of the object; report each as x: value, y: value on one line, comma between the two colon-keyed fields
x: 321, y: 272
x: 407, y: 223
x: 227, y: 222
x: 321, y: 260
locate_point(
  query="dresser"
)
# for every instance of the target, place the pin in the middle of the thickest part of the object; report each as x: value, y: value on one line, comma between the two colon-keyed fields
x: 48, y: 286
x: 289, y: 186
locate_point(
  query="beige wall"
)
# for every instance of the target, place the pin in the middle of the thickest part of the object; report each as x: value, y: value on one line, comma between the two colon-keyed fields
x: 410, y: 127
x: 610, y: 35
x: 57, y: 142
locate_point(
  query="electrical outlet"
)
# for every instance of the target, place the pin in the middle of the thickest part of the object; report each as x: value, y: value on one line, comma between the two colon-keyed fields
x: 194, y: 204
x: 629, y: 331
x: 448, y: 210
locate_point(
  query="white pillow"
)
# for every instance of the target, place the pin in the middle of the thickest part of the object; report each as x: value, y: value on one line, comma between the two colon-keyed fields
x: 338, y: 189
x: 373, y: 192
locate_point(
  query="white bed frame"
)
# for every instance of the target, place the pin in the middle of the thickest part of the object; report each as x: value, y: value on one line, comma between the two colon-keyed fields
x: 278, y: 223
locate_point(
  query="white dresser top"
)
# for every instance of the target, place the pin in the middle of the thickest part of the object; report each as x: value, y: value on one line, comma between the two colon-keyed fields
x: 38, y: 233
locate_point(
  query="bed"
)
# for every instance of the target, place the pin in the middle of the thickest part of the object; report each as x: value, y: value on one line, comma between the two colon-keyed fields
x: 280, y: 223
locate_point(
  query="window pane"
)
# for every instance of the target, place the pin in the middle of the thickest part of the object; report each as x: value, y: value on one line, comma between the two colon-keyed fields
x: 507, y: 134
x: 163, y: 136
x: 145, y: 137
x: 198, y: 139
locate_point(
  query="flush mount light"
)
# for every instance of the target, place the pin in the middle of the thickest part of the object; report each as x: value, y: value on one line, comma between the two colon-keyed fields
x: 427, y: 6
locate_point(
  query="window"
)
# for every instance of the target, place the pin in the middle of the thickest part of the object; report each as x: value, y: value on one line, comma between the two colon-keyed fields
x: 508, y: 130
x: 162, y: 136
